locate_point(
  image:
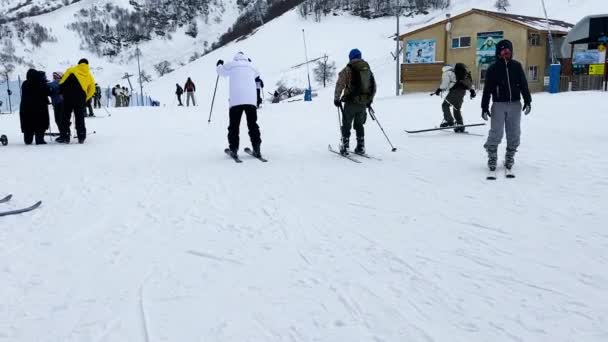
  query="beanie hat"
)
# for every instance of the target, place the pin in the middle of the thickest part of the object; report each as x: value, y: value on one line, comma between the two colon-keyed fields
x: 354, y: 54
x: 83, y: 61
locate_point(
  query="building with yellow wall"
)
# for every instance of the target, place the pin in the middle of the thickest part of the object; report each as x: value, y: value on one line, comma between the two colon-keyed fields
x: 470, y: 38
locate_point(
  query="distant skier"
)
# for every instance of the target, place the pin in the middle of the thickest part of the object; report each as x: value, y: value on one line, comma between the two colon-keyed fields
x: 34, y: 107
x: 97, y: 97
x: 78, y: 87
x: 127, y: 96
x: 116, y: 92
x: 506, y: 84
x: 56, y: 97
x: 259, y: 84
x: 242, y: 98
x: 276, y: 97
x: 190, y: 89
x: 356, y: 87
x: 178, y: 92
x: 456, y: 81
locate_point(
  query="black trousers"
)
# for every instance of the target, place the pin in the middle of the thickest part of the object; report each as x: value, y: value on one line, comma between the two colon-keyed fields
x: 90, y: 107
x: 97, y: 102
x: 179, y: 99
x: 236, y: 113
x: 78, y: 107
x: 259, y: 97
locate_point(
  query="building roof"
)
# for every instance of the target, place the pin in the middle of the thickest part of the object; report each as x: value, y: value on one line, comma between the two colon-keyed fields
x: 534, y: 23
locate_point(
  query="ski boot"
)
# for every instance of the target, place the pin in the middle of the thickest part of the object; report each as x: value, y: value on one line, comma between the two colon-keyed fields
x: 360, y: 149
x: 459, y: 129
x: 344, y: 146
x: 62, y: 139
x: 256, y: 152
x: 510, y: 158
x: 445, y: 124
x: 233, y: 153
x: 492, y: 158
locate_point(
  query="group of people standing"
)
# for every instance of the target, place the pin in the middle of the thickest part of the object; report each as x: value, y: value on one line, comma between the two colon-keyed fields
x: 122, y: 96
x: 69, y: 92
x: 190, y: 89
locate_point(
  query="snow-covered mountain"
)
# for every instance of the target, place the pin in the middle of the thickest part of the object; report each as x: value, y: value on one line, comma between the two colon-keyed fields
x: 178, y: 33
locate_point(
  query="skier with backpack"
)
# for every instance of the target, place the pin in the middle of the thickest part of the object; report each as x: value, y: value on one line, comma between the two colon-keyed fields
x: 190, y: 88
x: 456, y: 81
x: 178, y: 92
x: 77, y: 86
x: 242, y: 75
x: 356, y: 87
x: 506, y: 85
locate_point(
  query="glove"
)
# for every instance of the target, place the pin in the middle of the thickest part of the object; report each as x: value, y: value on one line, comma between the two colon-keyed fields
x: 473, y: 94
x: 219, y: 62
x: 337, y: 103
x: 369, y: 105
x: 527, y: 108
x: 485, y: 114
x: 437, y: 92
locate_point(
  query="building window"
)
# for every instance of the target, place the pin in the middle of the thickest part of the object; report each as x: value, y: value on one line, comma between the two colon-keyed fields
x: 534, y: 39
x: 533, y: 73
x: 461, y: 42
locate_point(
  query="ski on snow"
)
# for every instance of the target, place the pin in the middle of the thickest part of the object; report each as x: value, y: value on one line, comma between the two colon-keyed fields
x: 6, y: 199
x: 21, y: 211
x: 347, y: 156
x: 444, y: 128
x: 236, y: 159
x: 250, y: 152
x: 365, y: 155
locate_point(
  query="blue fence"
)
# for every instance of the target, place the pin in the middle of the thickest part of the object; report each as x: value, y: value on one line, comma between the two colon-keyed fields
x: 11, y: 103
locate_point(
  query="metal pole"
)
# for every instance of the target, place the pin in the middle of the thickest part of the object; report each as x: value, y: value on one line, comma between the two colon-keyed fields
x: 306, y: 55
x: 141, y: 86
x: 8, y: 92
x: 397, y: 60
x: 549, y: 32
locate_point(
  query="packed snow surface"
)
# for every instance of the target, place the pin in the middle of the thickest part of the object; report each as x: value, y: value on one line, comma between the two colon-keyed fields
x: 149, y: 232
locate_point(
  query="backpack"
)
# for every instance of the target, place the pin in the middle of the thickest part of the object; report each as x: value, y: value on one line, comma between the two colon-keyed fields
x: 362, y: 83
x: 463, y: 76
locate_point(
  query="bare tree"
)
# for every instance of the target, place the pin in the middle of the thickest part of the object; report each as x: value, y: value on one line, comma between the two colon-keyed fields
x: 325, y: 71
x: 163, y: 68
x: 502, y: 5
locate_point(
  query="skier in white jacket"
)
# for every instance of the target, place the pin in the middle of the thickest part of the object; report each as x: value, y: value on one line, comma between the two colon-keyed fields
x: 243, y: 98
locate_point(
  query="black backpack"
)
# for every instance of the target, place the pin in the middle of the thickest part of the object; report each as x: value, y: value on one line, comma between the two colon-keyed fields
x: 362, y: 83
x: 463, y: 76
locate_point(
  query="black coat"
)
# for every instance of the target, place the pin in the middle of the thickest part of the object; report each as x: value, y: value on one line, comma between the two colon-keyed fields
x: 505, y: 80
x: 34, y: 108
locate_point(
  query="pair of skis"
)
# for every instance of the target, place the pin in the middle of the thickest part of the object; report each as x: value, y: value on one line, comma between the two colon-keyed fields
x: 444, y: 128
x: 17, y: 211
x: 249, y: 152
x: 351, y: 155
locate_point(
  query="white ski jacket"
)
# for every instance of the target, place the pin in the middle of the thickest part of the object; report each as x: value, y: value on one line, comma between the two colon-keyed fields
x: 448, y: 79
x: 242, y: 76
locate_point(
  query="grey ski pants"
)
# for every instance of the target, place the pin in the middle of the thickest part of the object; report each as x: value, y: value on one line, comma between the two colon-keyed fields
x: 506, y: 116
x: 190, y: 95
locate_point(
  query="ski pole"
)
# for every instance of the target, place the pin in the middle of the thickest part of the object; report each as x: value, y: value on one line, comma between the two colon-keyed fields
x: 213, y: 100
x: 107, y: 111
x: 373, y: 116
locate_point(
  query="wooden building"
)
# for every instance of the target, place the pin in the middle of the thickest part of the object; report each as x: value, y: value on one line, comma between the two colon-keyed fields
x: 470, y: 38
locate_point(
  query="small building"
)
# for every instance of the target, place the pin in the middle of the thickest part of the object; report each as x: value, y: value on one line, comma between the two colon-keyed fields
x: 471, y: 38
x: 586, y: 45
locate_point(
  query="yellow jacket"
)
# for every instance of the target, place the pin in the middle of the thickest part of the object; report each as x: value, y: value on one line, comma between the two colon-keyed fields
x: 84, y: 76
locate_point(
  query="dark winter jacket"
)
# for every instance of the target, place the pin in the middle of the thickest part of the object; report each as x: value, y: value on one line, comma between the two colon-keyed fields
x: 189, y: 86
x: 55, y: 93
x: 73, y: 92
x: 179, y: 90
x: 505, y: 80
x: 34, y: 108
x: 259, y: 83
